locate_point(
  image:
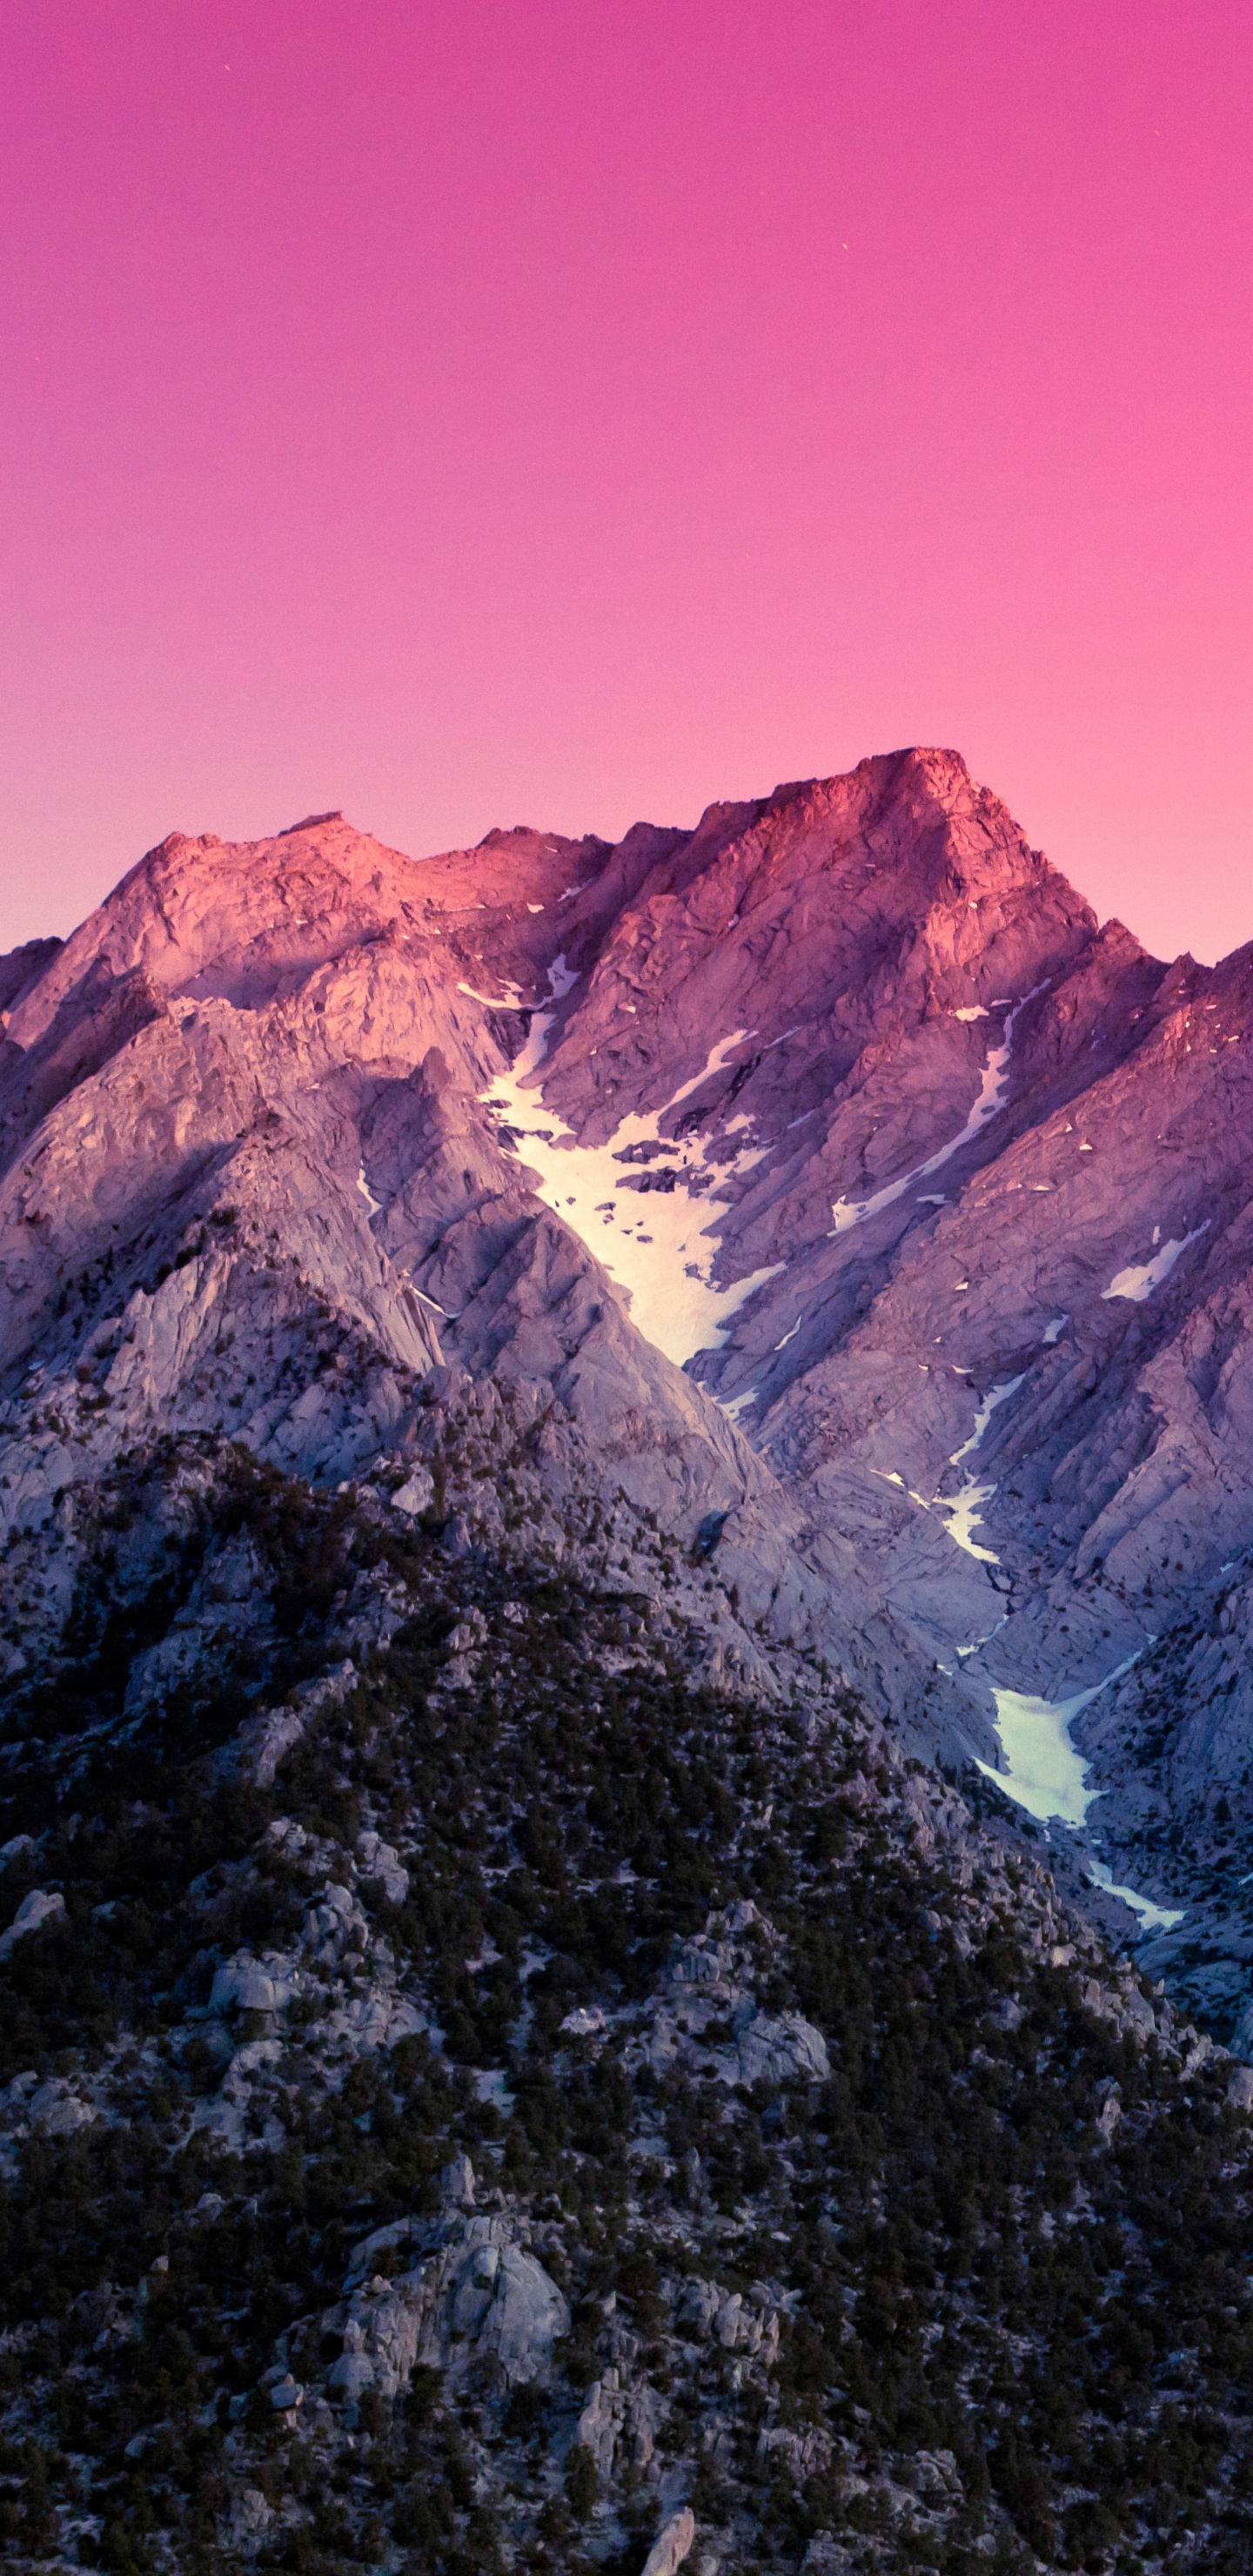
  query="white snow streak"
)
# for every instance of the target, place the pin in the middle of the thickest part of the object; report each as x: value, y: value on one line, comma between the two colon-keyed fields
x: 995, y: 1395
x: 963, y: 1515
x: 963, y: 1511
x: 374, y: 1205
x: 652, y: 1242
x: 848, y: 1212
x: 509, y: 1000
x: 1155, y: 1918
x: 1139, y: 1280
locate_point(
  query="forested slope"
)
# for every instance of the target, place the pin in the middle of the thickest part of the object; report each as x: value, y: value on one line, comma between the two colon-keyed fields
x: 490, y: 2098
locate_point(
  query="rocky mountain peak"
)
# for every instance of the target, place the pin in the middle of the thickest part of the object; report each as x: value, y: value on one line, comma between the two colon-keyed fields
x: 776, y: 1149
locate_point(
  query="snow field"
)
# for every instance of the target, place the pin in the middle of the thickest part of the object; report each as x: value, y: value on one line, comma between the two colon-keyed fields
x: 653, y: 1242
x: 1139, y: 1280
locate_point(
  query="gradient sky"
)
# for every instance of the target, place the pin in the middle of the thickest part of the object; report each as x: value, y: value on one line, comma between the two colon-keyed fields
x: 565, y: 411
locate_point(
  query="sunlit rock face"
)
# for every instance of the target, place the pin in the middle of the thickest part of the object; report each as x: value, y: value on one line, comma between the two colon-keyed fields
x: 826, y: 1179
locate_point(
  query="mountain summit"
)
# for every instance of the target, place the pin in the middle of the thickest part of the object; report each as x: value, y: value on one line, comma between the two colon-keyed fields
x: 842, y: 1105
x: 756, y: 1318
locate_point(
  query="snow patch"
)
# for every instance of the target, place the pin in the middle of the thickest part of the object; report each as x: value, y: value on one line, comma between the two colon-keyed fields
x: 1055, y: 1328
x: 991, y: 1098
x: 995, y: 1395
x: 962, y: 1512
x: 652, y: 1242
x: 1155, y: 1918
x: 1045, y: 1772
x: 510, y: 1000
x: 1140, y: 1279
x: 374, y: 1205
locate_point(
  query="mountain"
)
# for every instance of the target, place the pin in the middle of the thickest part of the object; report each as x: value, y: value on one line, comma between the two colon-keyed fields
x: 843, y: 1101
x: 625, y: 1551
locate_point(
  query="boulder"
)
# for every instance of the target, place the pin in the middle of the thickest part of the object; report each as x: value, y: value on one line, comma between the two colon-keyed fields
x: 503, y: 2302
x: 742, y: 2326
x: 266, y: 1738
x: 364, y: 2257
x: 376, y: 2019
x: 616, y: 2418
x: 249, y: 2514
x: 672, y: 2544
x: 58, y: 2111
x: 699, y: 2306
x: 482, y: 2296
x: 806, y: 2448
x: 456, y: 2184
x: 776, y: 2049
x: 601, y: 2421
x: 378, y: 1860
x: 34, y: 1909
x: 357, y: 2369
x: 584, y: 2022
x: 244, y: 1988
x: 242, y: 1985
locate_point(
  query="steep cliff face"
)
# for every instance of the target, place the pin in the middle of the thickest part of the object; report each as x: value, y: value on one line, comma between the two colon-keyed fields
x: 840, y: 1192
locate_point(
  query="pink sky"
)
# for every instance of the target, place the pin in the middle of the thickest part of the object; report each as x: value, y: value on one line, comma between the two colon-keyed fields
x: 565, y: 410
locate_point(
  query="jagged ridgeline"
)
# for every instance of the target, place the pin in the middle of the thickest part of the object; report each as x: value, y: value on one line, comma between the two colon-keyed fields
x: 478, y: 2095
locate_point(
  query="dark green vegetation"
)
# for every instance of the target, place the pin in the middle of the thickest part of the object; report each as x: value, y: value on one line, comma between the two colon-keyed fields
x: 1012, y: 2325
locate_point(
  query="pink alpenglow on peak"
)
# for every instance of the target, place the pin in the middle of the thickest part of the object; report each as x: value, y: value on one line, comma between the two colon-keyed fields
x: 329, y: 345
x: 298, y: 1137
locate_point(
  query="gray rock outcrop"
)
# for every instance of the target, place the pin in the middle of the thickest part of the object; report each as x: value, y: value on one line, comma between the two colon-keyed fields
x: 480, y: 2296
x: 672, y: 2544
x: 41, y: 1906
